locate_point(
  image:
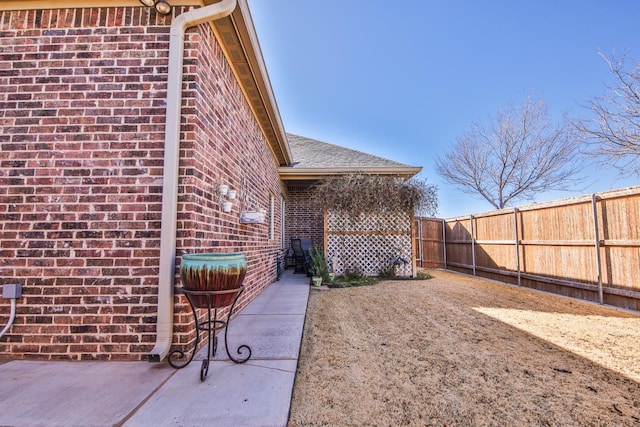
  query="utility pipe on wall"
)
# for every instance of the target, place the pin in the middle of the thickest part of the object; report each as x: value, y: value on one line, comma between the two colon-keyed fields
x: 12, y: 292
x: 166, y: 275
x: 12, y: 317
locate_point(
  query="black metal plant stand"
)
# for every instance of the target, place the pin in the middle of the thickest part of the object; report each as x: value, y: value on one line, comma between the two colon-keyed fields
x: 211, y: 301
x: 280, y: 257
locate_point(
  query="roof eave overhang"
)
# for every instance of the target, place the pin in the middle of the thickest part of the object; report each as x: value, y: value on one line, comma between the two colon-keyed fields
x: 237, y: 36
x: 310, y: 174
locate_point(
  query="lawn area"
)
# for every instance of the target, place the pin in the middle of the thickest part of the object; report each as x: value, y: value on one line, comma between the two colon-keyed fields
x: 461, y: 351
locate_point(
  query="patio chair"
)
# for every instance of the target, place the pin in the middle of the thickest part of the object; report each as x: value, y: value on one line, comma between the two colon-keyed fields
x: 301, y: 255
x: 306, y: 244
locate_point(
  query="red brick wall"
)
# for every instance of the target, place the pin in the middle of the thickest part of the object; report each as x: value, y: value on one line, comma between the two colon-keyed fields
x: 303, y: 217
x: 82, y: 103
x: 224, y: 146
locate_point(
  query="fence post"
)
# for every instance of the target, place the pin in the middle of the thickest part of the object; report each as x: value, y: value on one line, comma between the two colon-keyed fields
x: 444, y: 241
x: 473, y: 246
x: 420, y: 242
x: 596, y: 234
x: 517, y: 239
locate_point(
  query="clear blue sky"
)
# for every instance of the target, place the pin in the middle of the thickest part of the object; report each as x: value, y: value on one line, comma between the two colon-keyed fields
x: 404, y: 79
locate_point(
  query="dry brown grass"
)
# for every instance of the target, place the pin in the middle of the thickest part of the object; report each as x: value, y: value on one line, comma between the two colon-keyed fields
x: 456, y: 350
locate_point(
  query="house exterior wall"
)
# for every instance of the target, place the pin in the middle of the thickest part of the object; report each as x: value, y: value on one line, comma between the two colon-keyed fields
x: 303, y: 217
x: 82, y: 104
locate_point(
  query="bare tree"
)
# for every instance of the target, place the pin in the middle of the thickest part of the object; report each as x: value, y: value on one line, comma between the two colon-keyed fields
x: 614, y: 131
x: 518, y: 154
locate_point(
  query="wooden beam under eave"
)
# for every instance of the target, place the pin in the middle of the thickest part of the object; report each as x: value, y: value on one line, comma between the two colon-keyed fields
x: 305, y: 174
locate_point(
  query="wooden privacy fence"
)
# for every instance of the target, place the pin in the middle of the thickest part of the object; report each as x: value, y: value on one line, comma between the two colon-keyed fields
x: 586, y: 247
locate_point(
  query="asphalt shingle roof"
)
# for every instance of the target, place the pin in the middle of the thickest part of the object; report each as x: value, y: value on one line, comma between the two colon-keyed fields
x: 311, y: 153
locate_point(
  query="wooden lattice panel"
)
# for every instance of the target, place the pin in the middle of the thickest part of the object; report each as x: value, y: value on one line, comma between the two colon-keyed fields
x: 369, y: 243
x: 385, y: 222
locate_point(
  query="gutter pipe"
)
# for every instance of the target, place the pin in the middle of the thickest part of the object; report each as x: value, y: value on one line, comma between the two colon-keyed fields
x: 166, y: 274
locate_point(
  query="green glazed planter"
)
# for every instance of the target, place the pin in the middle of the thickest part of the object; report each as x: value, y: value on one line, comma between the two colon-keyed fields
x: 213, y: 272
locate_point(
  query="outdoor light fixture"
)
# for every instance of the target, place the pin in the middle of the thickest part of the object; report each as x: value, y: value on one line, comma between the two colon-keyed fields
x: 161, y: 6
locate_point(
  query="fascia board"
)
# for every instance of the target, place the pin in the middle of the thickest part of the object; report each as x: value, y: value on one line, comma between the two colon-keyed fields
x: 293, y: 173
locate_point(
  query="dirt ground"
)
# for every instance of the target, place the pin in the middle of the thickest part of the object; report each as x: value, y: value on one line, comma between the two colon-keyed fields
x: 462, y: 351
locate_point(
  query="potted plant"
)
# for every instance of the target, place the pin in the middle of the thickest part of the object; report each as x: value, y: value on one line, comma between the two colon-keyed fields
x: 214, y: 272
x: 318, y: 268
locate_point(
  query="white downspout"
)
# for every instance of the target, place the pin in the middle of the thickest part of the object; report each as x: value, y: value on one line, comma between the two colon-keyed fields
x: 166, y: 275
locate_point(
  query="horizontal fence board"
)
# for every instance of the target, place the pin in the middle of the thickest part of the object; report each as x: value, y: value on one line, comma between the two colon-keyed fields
x: 610, y: 242
x: 496, y: 242
x: 558, y: 242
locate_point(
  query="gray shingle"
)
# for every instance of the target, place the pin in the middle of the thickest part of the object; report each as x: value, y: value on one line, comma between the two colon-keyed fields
x: 311, y: 153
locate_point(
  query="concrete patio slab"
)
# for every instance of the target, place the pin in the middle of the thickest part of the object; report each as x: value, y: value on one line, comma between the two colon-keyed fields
x: 256, y: 393
x: 291, y: 292
x: 251, y: 394
x: 285, y: 300
x: 271, y: 337
x: 66, y: 394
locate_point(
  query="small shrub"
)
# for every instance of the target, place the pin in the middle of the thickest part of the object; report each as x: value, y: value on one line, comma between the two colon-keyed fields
x: 353, y: 281
x: 388, y: 272
x: 318, y: 264
x: 352, y: 274
x: 423, y: 275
